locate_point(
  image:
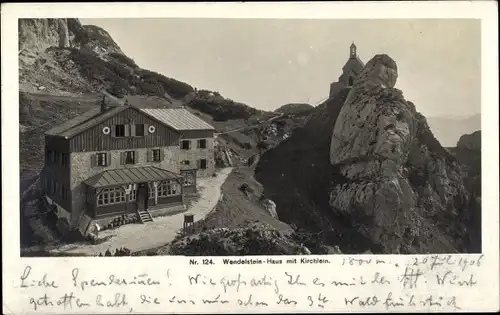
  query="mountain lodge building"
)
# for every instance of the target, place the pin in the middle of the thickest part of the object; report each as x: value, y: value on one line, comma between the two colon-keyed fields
x: 119, y: 159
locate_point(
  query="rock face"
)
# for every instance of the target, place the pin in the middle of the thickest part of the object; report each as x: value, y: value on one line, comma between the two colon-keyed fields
x: 270, y: 207
x: 471, y: 141
x: 36, y: 35
x: 401, y: 189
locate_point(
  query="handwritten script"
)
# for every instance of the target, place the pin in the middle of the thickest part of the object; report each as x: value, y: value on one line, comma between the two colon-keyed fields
x: 434, y: 282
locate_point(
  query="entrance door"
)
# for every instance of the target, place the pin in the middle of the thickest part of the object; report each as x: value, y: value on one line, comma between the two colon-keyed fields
x: 142, y: 196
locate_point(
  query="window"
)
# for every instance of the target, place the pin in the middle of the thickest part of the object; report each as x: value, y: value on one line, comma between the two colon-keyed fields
x: 188, y: 179
x: 120, y: 131
x: 156, y: 155
x: 65, y: 159
x: 351, y: 81
x: 139, y: 130
x: 168, y: 188
x: 130, y: 157
x: 110, y: 196
x: 133, y: 195
x: 202, y: 164
x: 202, y: 144
x: 102, y: 159
x: 185, y: 144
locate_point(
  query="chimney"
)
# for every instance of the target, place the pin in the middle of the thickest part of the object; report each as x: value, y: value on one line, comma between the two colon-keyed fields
x: 104, y: 106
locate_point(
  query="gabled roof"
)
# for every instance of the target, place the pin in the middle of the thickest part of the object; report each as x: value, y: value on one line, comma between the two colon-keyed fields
x: 128, y: 176
x: 354, y: 64
x: 178, y: 118
x: 73, y: 122
x: 82, y: 122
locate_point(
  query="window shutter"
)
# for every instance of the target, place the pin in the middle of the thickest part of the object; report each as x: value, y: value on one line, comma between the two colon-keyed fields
x: 132, y: 130
x: 146, y: 129
x: 113, y: 131
x: 134, y: 156
x: 127, y: 130
x: 198, y: 163
x: 122, y: 158
x: 162, y: 154
x: 108, y: 159
x: 149, y: 155
x: 93, y: 160
x: 189, y: 144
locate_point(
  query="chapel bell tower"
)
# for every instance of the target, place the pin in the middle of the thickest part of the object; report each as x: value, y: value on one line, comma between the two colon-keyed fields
x: 353, y: 50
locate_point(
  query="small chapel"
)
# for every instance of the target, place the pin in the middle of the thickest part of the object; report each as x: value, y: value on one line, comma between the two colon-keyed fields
x: 350, y: 71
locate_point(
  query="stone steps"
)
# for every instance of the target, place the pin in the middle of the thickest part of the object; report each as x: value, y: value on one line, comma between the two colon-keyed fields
x: 145, y: 216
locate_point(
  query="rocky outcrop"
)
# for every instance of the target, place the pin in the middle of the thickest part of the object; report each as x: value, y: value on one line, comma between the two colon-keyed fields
x: 401, y: 189
x: 468, y: 152
x: 63, y: 34
x: 270, y: 207
x: 470, y: 141
x: 36, y: 35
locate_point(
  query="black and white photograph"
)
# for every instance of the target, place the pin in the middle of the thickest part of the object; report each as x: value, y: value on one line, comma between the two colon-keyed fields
x: 235, y: 137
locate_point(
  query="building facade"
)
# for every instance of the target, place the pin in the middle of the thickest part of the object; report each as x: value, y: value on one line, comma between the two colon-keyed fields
x: 121, y: 159
x: 350, y: 72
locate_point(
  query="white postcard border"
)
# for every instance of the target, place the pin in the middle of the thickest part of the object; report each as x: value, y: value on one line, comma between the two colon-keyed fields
x: 485, y: 297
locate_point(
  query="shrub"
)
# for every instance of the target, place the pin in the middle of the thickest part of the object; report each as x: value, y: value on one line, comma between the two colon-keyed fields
x: 123, y: 59
x: 173, y: 87
x: 222, y: 109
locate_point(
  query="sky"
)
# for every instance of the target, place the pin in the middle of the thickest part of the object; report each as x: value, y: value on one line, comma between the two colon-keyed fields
x: 266, y: 63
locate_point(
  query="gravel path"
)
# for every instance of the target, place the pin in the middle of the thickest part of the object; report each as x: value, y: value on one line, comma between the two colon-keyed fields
x: 163, y: 230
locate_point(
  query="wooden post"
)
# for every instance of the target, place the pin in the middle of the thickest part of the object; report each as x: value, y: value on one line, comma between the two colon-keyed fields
x: 188, y: 223
x: 155, y: 185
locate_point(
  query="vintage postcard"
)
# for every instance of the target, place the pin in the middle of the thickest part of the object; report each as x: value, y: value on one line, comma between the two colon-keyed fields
x: 250, y: 157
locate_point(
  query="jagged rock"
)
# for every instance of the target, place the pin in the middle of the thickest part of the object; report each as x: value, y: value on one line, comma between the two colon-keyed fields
x: 399, y: 183
x: 471, y: 141
x: 63, y: 34
x: 36, y: 35
x: 270, y: 207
